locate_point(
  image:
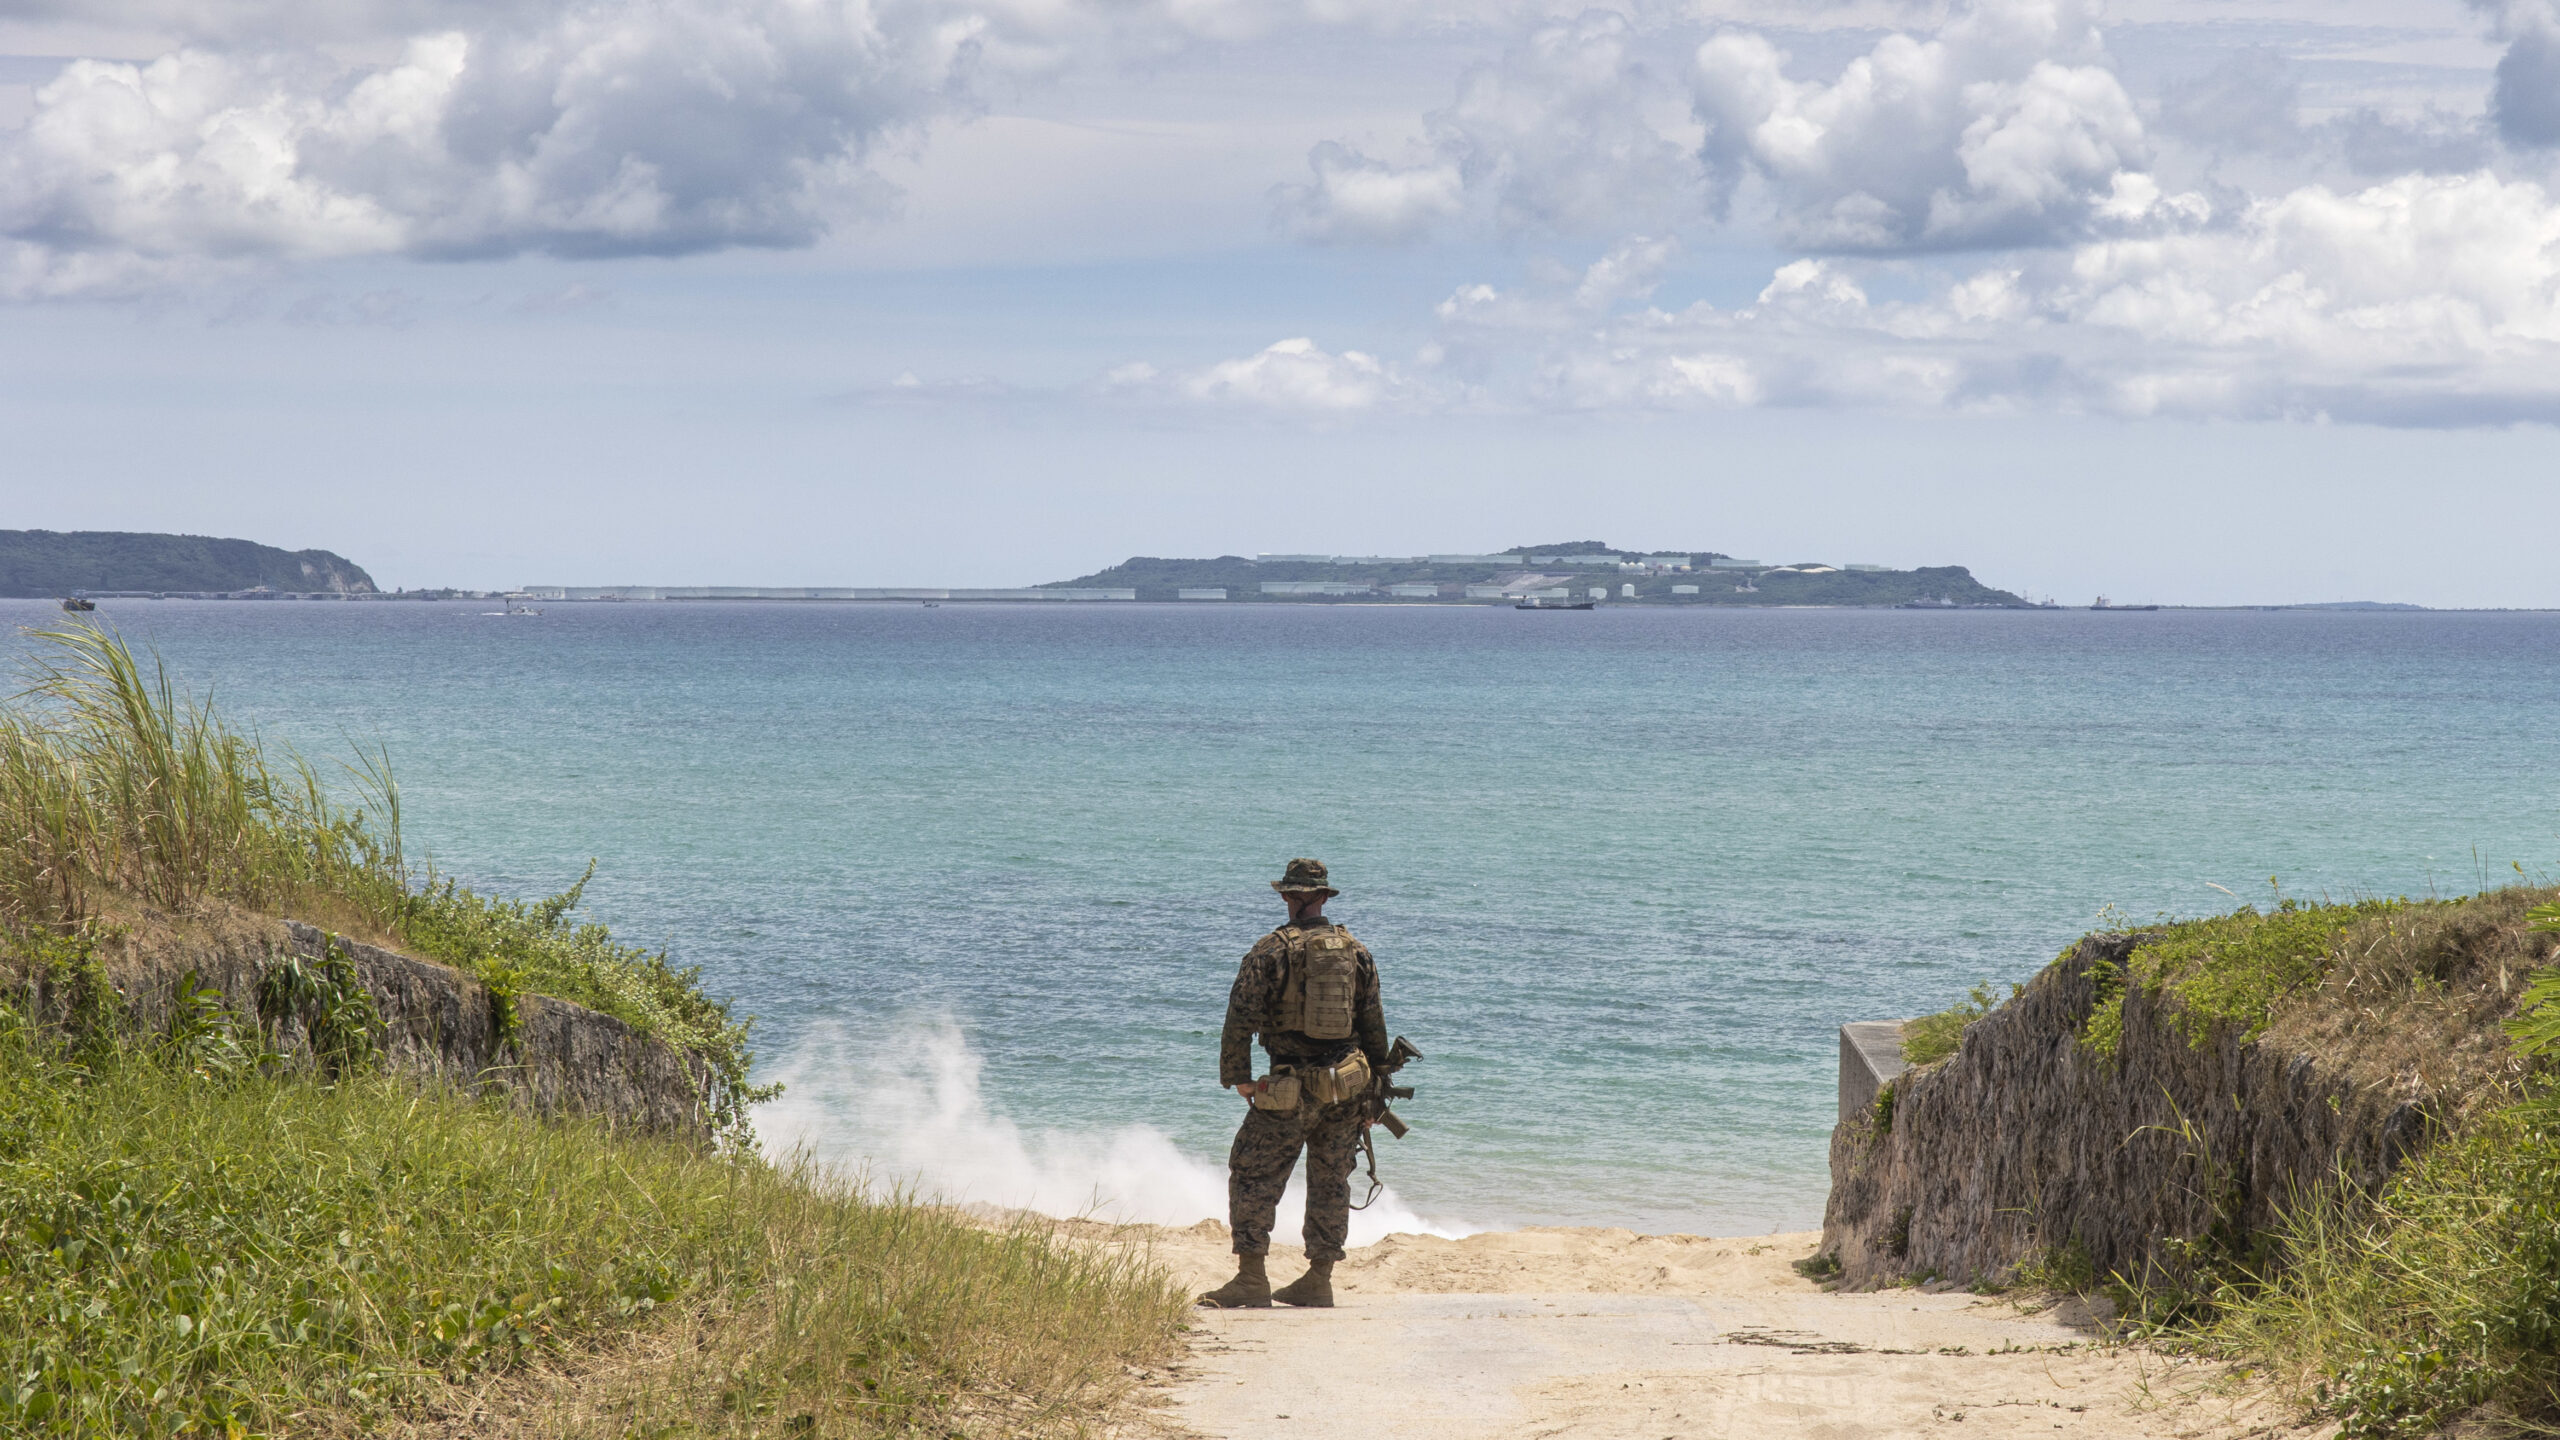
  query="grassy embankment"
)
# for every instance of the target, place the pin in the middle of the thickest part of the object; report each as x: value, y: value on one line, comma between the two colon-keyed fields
x: 2433, y: 1306
x: 195, y: 1239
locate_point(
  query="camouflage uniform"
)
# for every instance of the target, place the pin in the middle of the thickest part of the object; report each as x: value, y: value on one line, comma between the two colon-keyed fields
x: 1268, y: 1142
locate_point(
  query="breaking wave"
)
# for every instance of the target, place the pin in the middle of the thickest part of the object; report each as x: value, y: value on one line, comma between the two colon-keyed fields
x: 912, y: 1112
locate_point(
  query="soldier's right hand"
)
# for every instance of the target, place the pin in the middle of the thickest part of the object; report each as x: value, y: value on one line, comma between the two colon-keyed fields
x: 1248, y: 1089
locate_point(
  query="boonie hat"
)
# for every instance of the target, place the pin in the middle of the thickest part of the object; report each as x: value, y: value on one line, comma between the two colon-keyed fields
x: 1303, y: 875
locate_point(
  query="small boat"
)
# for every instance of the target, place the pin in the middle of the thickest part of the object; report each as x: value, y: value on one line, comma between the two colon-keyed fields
x: 79, y: 604
x: 933, y: 604
x: 1559, y: 605
x: 2105, y: 604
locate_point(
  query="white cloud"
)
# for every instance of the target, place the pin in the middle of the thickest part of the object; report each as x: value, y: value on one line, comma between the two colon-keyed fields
x: 475, y: 128
x: 2425, y: 300
x: 2005, y: 128
x: 2038, y: 239
x: 1299, y: 375
x: 1353, y: 197
x: 1628, y: 272
x: 662, y: 129
x: 1582, y: 126
x: 2117, y: 272
x: 1295, y: 376
x: 1642, y: 376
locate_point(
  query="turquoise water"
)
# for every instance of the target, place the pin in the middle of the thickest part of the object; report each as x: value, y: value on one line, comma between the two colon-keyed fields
x: 984, y: 872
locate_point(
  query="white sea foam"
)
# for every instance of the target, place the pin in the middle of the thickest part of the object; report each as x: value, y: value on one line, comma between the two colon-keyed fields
x: 909, y: 1110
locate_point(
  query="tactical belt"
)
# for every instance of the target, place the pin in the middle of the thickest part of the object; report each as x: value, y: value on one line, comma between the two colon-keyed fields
x: 1289, y: 1086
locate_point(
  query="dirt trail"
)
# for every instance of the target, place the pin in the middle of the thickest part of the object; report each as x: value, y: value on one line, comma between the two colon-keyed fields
x: 1610, y: 1335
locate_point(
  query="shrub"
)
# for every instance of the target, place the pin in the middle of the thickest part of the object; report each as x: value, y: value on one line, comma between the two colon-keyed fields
x: 112, y: 783
x: 2435, y: 1299
x: 2226, y: 969
x: 1933, y: 1038
x: 533, y: 948
x: 2438, y: 1300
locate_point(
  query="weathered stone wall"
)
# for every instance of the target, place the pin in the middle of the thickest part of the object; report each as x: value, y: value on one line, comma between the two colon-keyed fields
x: 2022, y: 1141
x: 438, y: 1024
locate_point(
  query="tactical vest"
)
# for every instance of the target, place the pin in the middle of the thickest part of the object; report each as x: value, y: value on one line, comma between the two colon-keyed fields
x: 1320, y: 991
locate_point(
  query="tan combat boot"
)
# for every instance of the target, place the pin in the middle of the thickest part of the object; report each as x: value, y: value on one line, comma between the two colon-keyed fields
x: 1313, y: 1290
x: 1250, y: 1290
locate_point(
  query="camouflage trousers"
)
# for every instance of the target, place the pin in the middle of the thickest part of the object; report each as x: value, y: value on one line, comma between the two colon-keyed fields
x: 1258, y: 1167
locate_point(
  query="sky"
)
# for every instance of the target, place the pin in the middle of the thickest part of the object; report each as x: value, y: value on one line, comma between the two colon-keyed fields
x: 2194, y: 301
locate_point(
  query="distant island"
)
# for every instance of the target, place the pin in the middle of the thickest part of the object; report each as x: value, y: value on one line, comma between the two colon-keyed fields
x: 36, y: 563
x: 1572, y: 571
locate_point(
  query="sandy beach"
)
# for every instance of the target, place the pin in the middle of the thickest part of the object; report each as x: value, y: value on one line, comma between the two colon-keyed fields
x: 1610, y: 1335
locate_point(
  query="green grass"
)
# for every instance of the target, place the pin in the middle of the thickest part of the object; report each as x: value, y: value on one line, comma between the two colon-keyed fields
x: 115, y: 787
x: 2227, y: 970
x: 2432, y: 1306
x: 113, y: 783
x: 2436, y: 1301
x: 192, y: 1245
x: 197, y: 1239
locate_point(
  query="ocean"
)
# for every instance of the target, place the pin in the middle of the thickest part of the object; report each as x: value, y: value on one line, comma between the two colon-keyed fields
x: 983, y: 872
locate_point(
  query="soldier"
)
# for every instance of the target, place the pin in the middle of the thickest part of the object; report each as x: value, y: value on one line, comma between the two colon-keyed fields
x: 1310, y: 991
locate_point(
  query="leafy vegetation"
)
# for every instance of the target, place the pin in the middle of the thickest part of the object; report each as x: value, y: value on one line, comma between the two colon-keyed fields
x: 329, y: 998
x: 2436, y: 1301
x: 192, y: 1242
x: 2227, y: 969
x: 112, y: 784
x: 1933, y: 1038
x: 116, y: 788
x: 198, y: 1239
x: 2432, y: 1306
x: 2057, y: 1267
x: 2439, y: 1300
x: 534, y: 948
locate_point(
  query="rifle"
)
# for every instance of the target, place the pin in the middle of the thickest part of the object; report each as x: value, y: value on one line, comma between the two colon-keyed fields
x: 1372, y: 1109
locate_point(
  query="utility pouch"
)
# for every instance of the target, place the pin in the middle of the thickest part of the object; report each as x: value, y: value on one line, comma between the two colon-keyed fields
x: 1337, y: 1083
x: 1278, y: 1091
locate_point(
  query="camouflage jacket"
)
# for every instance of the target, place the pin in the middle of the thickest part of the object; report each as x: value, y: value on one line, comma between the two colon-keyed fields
x: 1254, y: 1005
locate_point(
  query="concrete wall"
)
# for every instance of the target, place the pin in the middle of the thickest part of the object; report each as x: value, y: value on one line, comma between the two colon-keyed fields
x: 1870, y: 1055
x: 819, y: 592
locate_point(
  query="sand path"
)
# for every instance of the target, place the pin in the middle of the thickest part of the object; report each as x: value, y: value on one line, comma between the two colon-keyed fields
x: 1610, y: 1335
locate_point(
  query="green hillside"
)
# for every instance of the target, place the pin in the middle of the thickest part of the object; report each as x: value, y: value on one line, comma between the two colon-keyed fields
x: 1577, y: 566
x: 57, y: 562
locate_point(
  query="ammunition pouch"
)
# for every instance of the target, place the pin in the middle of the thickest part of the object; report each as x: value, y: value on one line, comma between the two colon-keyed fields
x: 1339, y: 1083
x: 1278, y: 1091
